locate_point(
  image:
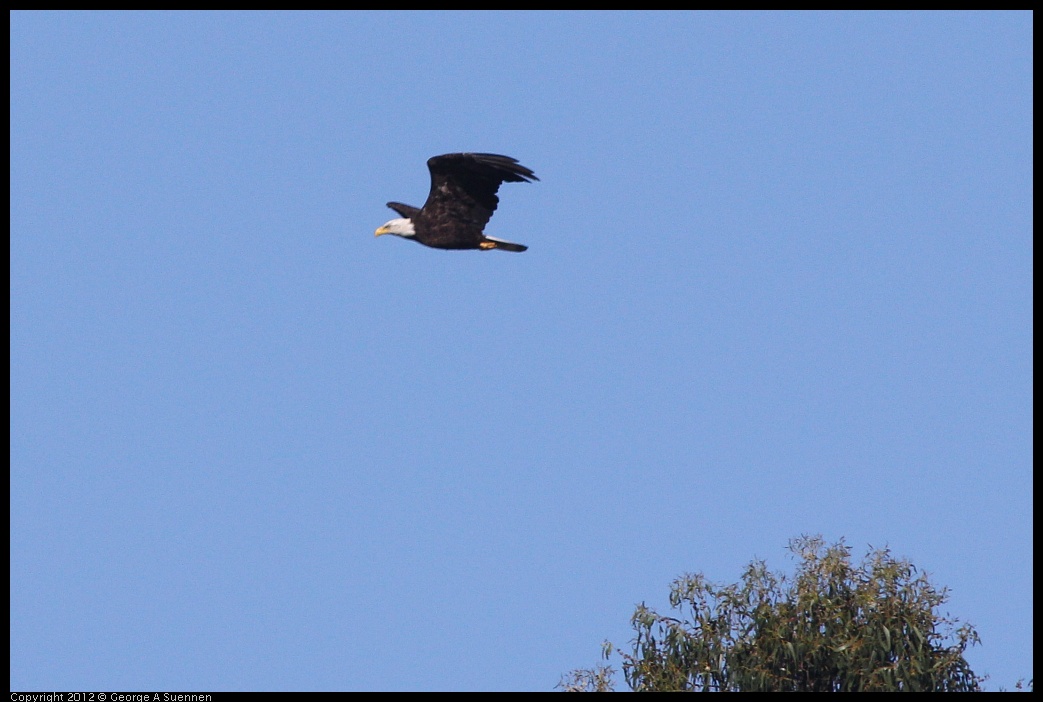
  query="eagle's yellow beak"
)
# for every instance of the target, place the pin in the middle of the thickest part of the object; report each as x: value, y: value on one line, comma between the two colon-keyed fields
x: 381, y: 230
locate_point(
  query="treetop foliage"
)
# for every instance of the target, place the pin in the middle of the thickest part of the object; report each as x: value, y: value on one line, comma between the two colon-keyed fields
x: 833, y: 626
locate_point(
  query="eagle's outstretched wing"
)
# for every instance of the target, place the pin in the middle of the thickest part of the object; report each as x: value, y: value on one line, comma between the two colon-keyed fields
x: 463, y: 187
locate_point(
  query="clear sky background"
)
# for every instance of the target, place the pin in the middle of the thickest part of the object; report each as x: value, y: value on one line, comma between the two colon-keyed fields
x: 779, y: 282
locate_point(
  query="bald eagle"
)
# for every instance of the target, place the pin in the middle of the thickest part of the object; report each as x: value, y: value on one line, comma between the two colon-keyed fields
x: 461, y: 201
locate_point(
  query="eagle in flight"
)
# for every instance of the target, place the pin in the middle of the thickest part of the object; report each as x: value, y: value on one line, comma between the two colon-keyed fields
x: 461, y: 201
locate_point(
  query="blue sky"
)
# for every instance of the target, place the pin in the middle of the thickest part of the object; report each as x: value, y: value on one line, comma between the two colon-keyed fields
x: 779, y: 282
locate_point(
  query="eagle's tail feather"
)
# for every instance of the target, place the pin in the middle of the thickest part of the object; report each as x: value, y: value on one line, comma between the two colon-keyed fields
x: 493, y: 243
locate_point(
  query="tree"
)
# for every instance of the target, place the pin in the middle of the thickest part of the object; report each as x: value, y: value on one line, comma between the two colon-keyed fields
x: 833, y: 626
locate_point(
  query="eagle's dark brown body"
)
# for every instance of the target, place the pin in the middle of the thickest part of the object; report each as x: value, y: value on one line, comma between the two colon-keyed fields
x: 461, y: 201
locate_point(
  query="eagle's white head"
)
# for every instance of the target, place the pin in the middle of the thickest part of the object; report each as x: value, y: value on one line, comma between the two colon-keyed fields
x: 398, y: 227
